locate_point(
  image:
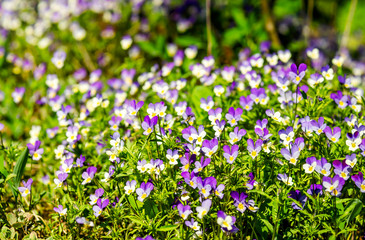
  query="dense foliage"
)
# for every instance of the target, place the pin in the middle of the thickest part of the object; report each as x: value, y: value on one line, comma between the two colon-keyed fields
x: 117, y: 126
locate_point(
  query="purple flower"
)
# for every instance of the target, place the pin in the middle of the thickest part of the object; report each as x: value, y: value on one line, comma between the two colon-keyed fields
x: 114, y: 123
x: 333, y: 135
x: 353, y: 140
x: 251, y: 182
x: 341, y: 169
x: 18, y: 94
x: 60, y: 210
x: 333, y: 185
x: 292, y: 155
x: 240, y: 201
x: 199, y: 166
x: 88, y: 175
x: 254, y: 148
x: 190, y: 179
x: 134, y: 107
x: 218, y: 191
x: 226, y: 222
x: 144, y: 190
x: 25, y: 190
x: 301, y: 198
x: 258, y: 95
x: 184, y: 211
x: 95, y: 197
x: 35, y: 151
x: 297, y: 73
x: 193, y: 224
x: 315, y: 189
x: 149, y: 124
x: 233, y: 116
x: 58, y: 58
x: 359, y: 181
x: 310, y: 165
x: 351, y: 160
x: 100, y: 205
x: 206, y: 104
x: 246, y: 103
x: 61, y: 177
x: 230, y: 153
x: 204, y: 208
x: 209, y: 147
x: 323, y: 167
x: 236, y: 135
x: 318, y: 126
x: 286, y: 136
x: 80, y: 161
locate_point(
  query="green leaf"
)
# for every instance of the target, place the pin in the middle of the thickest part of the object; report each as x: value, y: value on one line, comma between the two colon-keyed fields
x: 20, y: 166
x: 268, y: 225
x: 10, y: 176
x: 261, y: 193
x: 167, y: 228
x: 352, y: 210
x: 135, y: 220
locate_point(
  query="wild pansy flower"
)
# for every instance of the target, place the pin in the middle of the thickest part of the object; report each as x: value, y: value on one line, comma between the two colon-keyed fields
x: 353, y: 141
x: 286, y: 136
x: 292, y: 155
x: 18, y: 94
x: 274, y: 115
x: 193, y: 224
x: 312, y: 53
x: 198, y: 135
x: 284, y: 55
x: 340, y: 99
x: 178, y: 58
x: 144, y: 191
x: 108, y: 174
x: 51, y: 132
x: 236, y: 135
x: 323, y: 167
x: 256, y: 60
x: 204, y: 208
x: 149, y: 124
x: 82, y: 220
x: 315, y: 79
x: 263, y: 133
x: 184, y: 211
x: 134, y: 107
x: 283, y: 83
x: 351, y: 160
x: 127, y: 76
x: 88, y: 175
x: 333, y: 135
x: 345, y: 81
x: 258, y: 95
x: 200, y: 165
x: 315, y: 189
x: 67, y: 165
x: 239, y: 200
x: 251, y: 182
x: 35, y: 151
x: 157, y: 109
x: 172, y: 156
x: 244, y: 67
x: 209, y: 147
x: 359, y: 181
x: 310, y: 165
x: 226, y: 222
x: 362, y: 147
x: 190, y: 179
x: 25, y: 190
x: 218, y: 190
x: 206, y: 185
x: 333, y: 185
x: 130, y: 187
x: 126, y: 42
x: 233, y: 116
x: 341, y: 169
x: 246, y: 102
x: 353, y: 103
x: 298, y: 196
x: 214, y: 115
x: 95, y: 197
x: 327, y: 73
x: 219, y: 127
x: 60, y: 210
x: 208, y: 61
x: 113, y: 154
x: 285, y: 179
x: 206, y: 104
x: 188, y: 116
x: 114, y: 123
x: 230, y: 153
x: 297, y: 73
x: 194, y: 148
x: 351, y: 121
x: 254, y: 148
x: 186, y: 161
x: 191, y: 52
x: 218, y: 90
x: 318, y: 126
x: 61, y: 177
x: 58, y: 58
x: 72, y: 134
x: 142, y: 166
x: 228, y: 73
x: 100, y: 205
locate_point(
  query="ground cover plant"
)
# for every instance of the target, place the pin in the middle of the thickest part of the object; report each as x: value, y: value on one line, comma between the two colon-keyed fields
x: 115, y: 125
